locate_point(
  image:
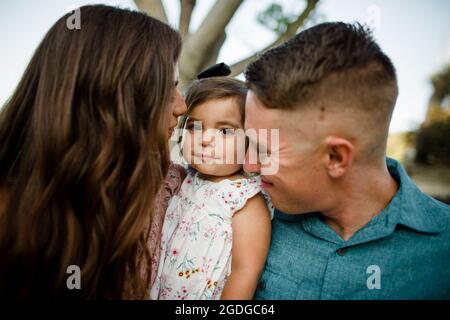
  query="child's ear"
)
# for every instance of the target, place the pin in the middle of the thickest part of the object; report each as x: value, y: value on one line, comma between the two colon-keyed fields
x: 339, y: 156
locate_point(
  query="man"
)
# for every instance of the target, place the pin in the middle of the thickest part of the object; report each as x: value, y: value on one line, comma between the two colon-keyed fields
x: 349, y: 224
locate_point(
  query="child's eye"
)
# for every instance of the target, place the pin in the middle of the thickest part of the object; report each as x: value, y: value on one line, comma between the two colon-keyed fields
x: 227, y: 131
x: 194, y: 126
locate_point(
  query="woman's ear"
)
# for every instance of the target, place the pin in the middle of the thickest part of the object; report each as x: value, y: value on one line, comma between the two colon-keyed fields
x: 340, y: 153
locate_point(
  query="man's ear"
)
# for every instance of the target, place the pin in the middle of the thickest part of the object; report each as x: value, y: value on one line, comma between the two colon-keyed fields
x: 340, y: 153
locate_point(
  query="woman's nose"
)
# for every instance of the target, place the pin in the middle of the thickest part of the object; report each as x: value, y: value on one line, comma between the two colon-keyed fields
x: 180, y: 105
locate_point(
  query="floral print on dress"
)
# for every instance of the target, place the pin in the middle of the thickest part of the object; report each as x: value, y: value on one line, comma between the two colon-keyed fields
x: 196, y: 241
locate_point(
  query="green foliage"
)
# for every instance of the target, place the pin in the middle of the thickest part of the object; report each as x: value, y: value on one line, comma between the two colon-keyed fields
x: 274, y: 18
x: 433, y: 143
x: 441, y: 83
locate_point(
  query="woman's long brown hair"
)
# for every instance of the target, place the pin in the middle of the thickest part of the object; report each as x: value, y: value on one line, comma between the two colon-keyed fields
x: 83, y: 152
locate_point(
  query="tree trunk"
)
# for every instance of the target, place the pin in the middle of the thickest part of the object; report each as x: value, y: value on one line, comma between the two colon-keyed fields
x: 187, y: 6
x: 201, y: 48
x: 198, y: 44
x: 154, y: 8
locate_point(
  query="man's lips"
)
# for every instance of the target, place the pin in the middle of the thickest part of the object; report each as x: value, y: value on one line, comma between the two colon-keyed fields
x: 265, y: 183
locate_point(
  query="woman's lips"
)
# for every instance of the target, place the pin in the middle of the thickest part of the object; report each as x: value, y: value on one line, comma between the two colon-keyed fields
x: 172, y: 129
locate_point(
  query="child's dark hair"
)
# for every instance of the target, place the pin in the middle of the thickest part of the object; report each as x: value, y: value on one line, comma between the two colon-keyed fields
x: 207, y: 89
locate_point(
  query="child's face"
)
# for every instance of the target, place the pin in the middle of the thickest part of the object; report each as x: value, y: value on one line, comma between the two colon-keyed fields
x: 214, y: 142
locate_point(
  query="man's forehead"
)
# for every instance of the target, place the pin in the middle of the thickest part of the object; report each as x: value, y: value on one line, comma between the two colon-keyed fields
x: 291, y: 125
x: 257, y: 115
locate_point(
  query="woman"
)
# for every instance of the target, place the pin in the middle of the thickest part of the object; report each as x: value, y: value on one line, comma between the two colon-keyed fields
x: 83, y: 153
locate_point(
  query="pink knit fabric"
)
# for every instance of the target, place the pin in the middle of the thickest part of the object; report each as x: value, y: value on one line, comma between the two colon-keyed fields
x: 171, y: 186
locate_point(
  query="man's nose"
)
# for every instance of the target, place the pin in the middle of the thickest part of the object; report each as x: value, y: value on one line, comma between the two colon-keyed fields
x: 180, y: 105
x: 251, y: 164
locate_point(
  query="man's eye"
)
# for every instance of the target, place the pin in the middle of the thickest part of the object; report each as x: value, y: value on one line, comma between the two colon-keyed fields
x: 227, y: 131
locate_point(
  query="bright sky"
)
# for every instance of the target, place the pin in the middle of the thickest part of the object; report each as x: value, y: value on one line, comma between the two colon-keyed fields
x: 414, y: 33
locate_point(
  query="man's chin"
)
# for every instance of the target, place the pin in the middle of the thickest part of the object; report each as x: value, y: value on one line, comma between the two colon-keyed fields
x: 284, y: 205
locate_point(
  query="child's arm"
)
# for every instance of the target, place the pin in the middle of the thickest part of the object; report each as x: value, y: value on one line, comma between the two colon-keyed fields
x: 251, y: 240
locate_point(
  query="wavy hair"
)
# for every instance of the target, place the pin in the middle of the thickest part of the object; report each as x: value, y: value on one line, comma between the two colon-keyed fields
x: 83, y: 153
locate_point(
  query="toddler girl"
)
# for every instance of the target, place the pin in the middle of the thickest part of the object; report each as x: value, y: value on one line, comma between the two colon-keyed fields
x: 216, y: 232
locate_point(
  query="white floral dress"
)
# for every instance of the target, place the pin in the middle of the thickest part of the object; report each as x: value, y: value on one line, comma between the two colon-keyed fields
x: 196, y: 240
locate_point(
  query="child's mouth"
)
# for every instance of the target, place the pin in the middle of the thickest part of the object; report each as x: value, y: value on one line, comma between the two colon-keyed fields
x: 204, y: 157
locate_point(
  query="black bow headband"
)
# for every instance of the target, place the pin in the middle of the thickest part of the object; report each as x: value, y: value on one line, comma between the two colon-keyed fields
x: 217, y: 70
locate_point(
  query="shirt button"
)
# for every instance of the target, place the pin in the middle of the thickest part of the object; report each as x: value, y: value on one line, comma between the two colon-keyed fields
x: 341, y: 251
x: 261, y: 285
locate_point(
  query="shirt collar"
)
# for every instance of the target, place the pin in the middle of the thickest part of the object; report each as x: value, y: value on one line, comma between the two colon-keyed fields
x: 410, y: 207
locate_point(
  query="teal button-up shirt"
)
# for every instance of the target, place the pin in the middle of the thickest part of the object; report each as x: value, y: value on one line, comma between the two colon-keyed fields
x: 402, y: 253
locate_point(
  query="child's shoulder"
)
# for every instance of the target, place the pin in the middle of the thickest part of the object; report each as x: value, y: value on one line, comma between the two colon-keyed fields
x: 237, y: 189
x: 243, y: 187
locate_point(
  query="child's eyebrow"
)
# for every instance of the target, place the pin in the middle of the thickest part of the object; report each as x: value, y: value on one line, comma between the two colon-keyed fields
x: 228, y: 123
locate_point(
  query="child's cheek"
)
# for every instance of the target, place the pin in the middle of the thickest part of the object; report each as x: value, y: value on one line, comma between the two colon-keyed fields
x: 220, y: 148
x: 188, y: 147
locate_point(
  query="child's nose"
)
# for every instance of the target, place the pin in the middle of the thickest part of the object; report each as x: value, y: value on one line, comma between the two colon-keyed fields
x: 207, y: 137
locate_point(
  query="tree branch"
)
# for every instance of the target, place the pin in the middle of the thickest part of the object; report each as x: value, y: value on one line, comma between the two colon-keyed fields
x: 213, y: 53
x: 197, y: 45
x: 291, y: 30
x: 187, y: 6
x: 153, y: 8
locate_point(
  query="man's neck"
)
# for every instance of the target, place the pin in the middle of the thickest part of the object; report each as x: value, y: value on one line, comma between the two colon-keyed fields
x: 363, y: 196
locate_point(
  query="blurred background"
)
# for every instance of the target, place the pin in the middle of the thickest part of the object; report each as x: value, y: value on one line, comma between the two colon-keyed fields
x: 415, y: 34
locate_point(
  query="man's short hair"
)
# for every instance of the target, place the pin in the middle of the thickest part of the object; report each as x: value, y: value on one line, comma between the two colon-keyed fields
x: 328, y: 59
x: 336, y: 65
